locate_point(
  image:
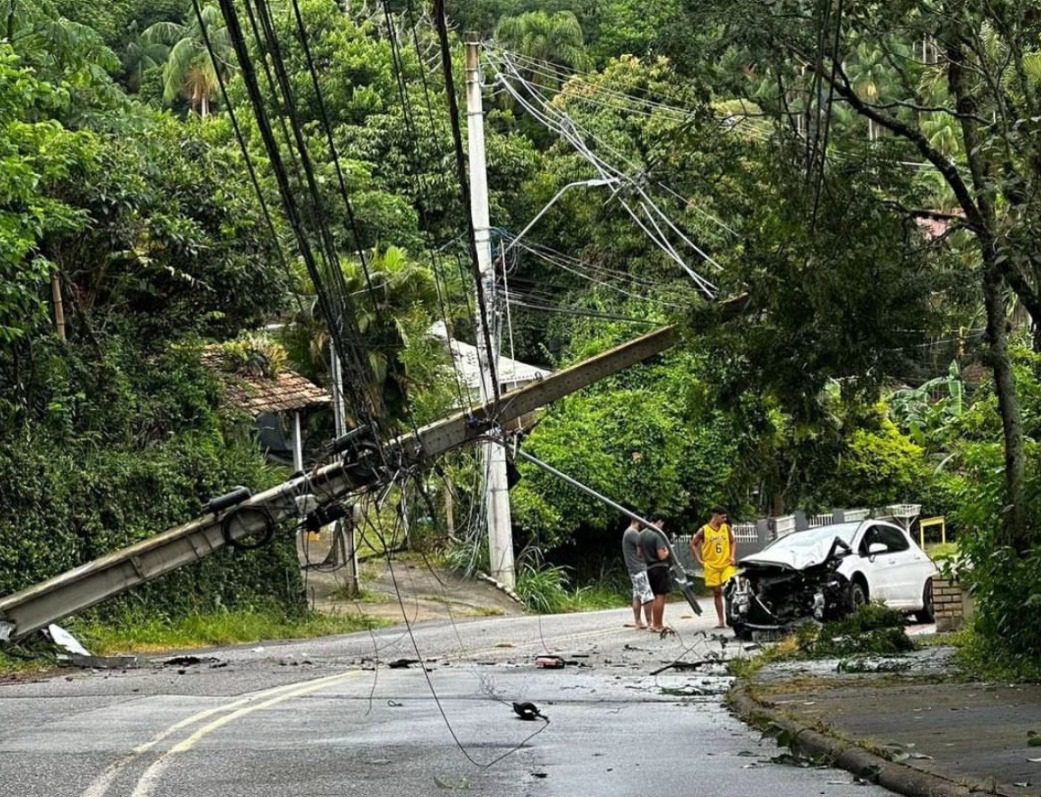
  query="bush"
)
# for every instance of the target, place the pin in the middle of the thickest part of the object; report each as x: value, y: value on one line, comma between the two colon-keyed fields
x: 544, y: 589
x: 1006, y: 583
x: 873, y: 629
x: 880, y: 467
x: 116, y: 450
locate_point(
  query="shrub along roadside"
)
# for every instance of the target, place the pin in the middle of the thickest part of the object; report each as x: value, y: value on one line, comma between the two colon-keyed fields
x: 118, y: 450
x: 546, y: 589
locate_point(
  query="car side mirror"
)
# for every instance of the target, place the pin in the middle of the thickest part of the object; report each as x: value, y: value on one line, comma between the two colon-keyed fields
x: 875, y: 548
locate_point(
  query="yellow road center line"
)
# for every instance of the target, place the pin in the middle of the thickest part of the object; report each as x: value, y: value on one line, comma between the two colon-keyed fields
x: 151, y: 776
x: 241, y: 707
x: 99, y: 786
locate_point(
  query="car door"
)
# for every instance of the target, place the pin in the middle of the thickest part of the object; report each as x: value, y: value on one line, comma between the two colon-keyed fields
x: 903, y: 565
x: 876, y: 568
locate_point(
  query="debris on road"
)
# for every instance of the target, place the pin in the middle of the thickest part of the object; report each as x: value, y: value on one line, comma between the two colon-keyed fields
x: 683, y: 666
x: 527, y: 711
x: 549, y: 662
x: 190, y: 661
x: 99, y: 662
x: 66, y: 641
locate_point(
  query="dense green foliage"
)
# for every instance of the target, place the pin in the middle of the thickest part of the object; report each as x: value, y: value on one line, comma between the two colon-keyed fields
x: 833, y: 166
x: 119, y: 451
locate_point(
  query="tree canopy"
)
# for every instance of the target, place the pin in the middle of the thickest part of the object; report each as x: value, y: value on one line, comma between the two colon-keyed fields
x: 866, y: 177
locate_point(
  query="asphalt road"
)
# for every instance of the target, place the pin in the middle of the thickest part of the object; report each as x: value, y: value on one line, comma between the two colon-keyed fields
x: 331, y: 717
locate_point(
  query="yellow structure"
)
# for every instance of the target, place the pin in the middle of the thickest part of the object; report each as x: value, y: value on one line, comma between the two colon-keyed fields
x: 932, y: 523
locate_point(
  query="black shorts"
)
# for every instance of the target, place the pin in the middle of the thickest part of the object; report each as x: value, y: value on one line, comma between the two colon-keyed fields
x: 660, y: 580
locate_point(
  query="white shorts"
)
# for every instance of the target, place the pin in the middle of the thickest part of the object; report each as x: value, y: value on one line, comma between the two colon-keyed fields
x: 641, y: 587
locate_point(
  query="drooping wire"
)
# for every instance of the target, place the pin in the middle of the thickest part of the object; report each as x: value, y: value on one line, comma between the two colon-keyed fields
x: 334, y: 153
x: 334, y: 316
x: 433, y: 690
x: 420, y: 191
x: 343, y: 324
x: 559, y: 122
x: 248, y: 159
x: 441, y: 23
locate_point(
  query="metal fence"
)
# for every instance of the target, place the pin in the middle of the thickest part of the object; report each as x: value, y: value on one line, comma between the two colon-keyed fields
x: 750, y: 538
x: 746, y: 533
x: 783, y: 526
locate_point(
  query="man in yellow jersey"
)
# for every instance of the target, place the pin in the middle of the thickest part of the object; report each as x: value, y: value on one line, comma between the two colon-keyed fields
x: 714, y: 548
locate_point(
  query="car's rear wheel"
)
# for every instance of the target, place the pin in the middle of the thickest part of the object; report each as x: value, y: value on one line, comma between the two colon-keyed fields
x: 927, y: 614
x: 858, y: 595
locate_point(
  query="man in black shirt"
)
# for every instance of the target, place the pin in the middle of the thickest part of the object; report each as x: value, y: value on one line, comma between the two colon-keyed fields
x: 634, y: 564
x: 656, y: 556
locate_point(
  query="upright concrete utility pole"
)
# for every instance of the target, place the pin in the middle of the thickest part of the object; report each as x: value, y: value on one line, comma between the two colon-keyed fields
x: 497, y: 496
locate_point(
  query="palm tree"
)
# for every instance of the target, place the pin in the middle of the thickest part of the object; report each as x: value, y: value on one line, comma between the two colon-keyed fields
x: 188, y: 70
x: 871, y: 78
x: 140, y: 56
x: 403, y: 296
x: 551, y: 40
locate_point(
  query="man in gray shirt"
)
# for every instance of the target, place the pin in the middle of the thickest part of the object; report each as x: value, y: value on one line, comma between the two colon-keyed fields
x: 634, y: 563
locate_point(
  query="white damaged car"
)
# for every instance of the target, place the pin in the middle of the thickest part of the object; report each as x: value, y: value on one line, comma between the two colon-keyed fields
x: 827, y: 572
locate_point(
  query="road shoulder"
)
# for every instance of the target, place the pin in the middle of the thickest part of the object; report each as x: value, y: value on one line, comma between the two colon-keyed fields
x: 920, y: 731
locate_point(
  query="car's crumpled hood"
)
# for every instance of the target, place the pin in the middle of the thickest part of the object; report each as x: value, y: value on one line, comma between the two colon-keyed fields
x: 790, y: 558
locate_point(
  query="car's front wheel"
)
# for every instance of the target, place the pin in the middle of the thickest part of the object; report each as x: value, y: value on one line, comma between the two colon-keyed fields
x: 927, y: 614
x: 858, y: 596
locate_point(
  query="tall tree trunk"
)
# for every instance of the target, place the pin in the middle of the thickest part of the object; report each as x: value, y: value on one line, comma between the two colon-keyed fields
x: 1014, y: 521
x: 982, y: 170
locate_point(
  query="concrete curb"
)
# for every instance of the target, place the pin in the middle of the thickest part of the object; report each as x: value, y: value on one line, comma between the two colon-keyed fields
x: 896, y: 777
x: 499, y: 586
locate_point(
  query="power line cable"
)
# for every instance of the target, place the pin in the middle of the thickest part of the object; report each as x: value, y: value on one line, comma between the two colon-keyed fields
x: 344, y: 322
x: 293, y: 216
x: 433, y: 690
x: 558, y: 121
x: 420, y: 192
x: 580, y: 313
x: 333, y: 151
x: 457, y: 139
x: 250, y: 168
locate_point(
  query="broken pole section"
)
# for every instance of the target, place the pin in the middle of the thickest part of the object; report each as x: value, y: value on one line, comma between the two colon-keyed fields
x: 37, y: 606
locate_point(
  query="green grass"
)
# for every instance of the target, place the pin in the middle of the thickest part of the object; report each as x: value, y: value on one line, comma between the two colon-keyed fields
x: 341, y: 594
x: 784, y: 650
x: 982, y: 662
x: 14, y: 667
x: 149, y: 634
x: 547, y: 589
x: 938, y: 551
x: 593, y: 598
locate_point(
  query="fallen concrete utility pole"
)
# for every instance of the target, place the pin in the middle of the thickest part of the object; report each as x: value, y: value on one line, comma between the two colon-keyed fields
x: 40, y: 605
x: 37, y: 606
x: 678, y: 572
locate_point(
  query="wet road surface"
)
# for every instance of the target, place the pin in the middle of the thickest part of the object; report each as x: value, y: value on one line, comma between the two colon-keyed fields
x: 333, y: 717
